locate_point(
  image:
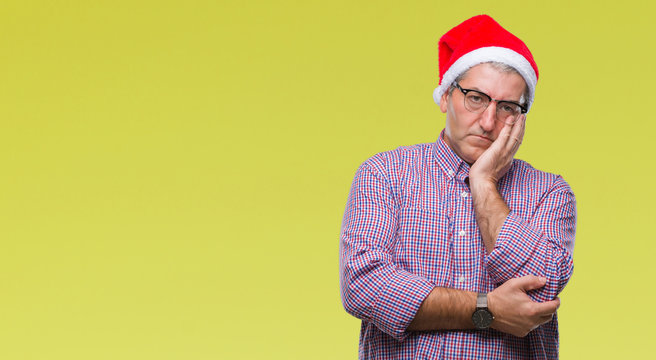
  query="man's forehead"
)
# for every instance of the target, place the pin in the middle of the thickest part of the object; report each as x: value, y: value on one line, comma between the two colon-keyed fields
x: 494, y: 81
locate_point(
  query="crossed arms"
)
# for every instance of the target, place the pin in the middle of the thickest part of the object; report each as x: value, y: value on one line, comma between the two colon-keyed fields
x: 529, y: 262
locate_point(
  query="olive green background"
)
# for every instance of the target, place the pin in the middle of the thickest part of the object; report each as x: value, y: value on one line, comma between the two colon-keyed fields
x: 174, y: 173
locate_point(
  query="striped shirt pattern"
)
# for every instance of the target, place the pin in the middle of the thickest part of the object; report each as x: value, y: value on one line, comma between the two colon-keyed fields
x: 409, y: 226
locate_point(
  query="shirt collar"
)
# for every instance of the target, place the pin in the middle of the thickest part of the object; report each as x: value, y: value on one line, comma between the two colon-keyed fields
x: 449, y: 162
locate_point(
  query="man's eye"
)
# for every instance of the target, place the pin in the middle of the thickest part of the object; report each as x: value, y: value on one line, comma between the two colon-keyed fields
x: 510, y: 108
x: 476, y: 98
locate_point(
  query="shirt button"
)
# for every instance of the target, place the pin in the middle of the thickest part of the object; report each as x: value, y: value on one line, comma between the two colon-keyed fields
x: 462, y: 233
x: 450, y: 172
x: 461, y: 279
x: 464, y: 194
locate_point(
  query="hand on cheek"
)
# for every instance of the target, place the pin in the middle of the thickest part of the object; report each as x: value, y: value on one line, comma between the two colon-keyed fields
x: 494, y: 162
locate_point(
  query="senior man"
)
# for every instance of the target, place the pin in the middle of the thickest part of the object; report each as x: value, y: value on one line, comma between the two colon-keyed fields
x: 454, y: 249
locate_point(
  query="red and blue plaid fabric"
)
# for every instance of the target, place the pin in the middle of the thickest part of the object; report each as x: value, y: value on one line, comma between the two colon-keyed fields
x: 409, y: 226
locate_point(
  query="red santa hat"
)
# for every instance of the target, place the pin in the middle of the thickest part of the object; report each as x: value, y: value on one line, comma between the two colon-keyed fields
x: 478, y: 40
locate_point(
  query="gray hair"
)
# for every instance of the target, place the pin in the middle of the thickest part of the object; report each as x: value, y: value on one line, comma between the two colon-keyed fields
x: 504, y: 68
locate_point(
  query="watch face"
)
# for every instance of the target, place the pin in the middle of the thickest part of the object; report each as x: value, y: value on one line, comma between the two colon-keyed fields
x: 482, y: 318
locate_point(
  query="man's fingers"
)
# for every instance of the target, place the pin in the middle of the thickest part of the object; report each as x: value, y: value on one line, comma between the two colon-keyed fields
x: 503, y: 141
x: 522, y: 121
x: 545, y: 319
x: 516, y: 133
x: 530, y: 282
x: 547, y: 308
x: 504, y: 134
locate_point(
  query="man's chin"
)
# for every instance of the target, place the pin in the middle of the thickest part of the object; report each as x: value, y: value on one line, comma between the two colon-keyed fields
x: 476, y: 150
x: 473, y: 154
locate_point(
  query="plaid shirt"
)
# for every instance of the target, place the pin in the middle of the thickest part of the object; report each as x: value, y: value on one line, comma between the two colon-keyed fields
x: 409, y: 226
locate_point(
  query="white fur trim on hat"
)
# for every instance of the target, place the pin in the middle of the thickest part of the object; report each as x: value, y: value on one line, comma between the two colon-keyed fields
x: 487, y: 54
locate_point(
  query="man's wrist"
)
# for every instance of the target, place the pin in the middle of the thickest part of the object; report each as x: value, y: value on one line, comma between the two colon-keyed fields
x: 481, y: 186
x: 482, y: 317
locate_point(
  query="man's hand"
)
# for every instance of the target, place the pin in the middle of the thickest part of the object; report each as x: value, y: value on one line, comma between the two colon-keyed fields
x: 491, y: 210
x: 497, y: 159
x: 514, y: 312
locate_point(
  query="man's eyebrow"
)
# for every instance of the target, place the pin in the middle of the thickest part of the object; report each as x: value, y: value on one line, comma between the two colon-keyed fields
x: 481, y: 91
x: 477, y: 89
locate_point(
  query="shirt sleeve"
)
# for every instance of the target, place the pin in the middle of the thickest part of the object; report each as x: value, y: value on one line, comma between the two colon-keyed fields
x: 541, y: 246
x: 373, y: 288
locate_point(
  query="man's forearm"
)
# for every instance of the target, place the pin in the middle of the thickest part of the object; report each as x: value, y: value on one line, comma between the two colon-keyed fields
x: 491, y: 211
x: 445, y: 309
x: 515, y: 313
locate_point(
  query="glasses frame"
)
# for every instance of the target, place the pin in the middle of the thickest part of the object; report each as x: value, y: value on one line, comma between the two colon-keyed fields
x: 489, y: 98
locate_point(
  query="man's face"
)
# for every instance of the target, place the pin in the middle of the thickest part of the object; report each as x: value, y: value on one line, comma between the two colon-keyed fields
x: 470, y: 134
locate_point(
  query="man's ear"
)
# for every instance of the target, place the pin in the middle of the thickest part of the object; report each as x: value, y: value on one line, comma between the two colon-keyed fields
x: 444, y: 101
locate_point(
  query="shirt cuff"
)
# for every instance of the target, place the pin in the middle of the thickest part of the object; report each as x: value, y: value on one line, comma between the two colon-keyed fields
x: 399, y: 302
x: 516, y: 243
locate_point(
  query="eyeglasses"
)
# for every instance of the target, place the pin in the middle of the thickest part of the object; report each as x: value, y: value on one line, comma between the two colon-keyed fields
x: 477, y: 102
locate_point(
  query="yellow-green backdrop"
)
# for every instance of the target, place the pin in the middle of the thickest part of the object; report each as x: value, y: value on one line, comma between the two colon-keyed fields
x: 174, y: 173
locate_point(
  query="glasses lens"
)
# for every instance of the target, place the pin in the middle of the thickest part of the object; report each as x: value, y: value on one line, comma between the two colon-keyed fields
x: 475, y: 101
x: 508, y: 112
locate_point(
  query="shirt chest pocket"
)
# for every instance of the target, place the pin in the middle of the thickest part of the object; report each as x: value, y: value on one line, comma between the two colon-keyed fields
x: 423, y: 245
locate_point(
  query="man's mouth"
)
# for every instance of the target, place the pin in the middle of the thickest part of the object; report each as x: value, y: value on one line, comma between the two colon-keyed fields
x: 484, y: 138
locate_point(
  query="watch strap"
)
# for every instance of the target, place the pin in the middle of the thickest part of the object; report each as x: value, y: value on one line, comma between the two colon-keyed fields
x: 481, y: 301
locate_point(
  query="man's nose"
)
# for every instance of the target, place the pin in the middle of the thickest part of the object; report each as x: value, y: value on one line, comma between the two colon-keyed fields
x: 489, y: 117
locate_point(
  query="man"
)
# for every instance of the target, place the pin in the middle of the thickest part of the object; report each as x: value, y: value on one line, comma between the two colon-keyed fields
x: 453, y: 249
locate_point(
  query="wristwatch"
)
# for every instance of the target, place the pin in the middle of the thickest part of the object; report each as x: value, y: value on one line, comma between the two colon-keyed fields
x: 482, y: 317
